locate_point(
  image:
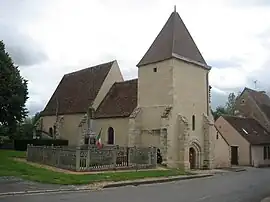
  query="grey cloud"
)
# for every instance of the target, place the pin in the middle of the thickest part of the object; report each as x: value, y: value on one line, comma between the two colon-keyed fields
x: 249, y: 3
x: 18, y: 12
x: 225, y: 63
x: 261, y: 76
x: 14, y: 17
x: 25, y: 56
x: 21, y: 47
x: 135, y: 4
x: 217, y: 99
x: 264, y: 38
x: 34, y: 107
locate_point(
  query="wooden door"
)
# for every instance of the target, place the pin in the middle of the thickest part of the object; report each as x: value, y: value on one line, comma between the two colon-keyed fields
x: 192, y: 157
x: 234, y: 155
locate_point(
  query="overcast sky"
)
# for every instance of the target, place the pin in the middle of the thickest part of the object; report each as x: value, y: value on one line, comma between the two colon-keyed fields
x: 50, y: 38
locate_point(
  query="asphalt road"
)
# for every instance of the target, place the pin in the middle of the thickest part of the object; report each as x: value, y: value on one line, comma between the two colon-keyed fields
x: 250, y: 186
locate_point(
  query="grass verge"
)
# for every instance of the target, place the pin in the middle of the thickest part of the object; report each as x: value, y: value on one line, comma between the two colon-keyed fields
x: 10, y: 167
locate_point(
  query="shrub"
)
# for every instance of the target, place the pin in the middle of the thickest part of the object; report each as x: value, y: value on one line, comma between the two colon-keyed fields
x: 6, y: 143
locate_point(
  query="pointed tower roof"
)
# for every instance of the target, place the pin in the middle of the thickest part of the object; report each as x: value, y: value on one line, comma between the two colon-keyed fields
x: 174, y: 40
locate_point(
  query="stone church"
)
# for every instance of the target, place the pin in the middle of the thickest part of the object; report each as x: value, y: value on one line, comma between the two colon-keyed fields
x: 168, y: 106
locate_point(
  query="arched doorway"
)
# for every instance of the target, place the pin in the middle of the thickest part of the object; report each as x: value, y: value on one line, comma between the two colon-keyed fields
x: 192, y: 158
x: 195, y: 157
x: 110, y: 135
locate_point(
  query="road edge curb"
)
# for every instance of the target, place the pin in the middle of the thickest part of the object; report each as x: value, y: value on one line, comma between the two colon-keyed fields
x: 109, y: 185
x: 154, y: 181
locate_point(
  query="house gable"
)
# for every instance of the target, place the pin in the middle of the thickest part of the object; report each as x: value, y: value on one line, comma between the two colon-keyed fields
x: 255, y: 104
x: 113, y: 76
x: 250, y: 129
x: 234, y: 139
x: 229, y: 132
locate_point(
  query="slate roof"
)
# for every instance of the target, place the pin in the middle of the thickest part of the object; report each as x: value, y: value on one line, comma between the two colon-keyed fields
x: 77, y: 90
x: 262, y: 100
x: 174, y: 40
x: 120, y: 101
x: 250, y: 129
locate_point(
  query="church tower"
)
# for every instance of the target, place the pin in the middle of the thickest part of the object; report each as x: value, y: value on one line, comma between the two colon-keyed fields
x: 173, y: 97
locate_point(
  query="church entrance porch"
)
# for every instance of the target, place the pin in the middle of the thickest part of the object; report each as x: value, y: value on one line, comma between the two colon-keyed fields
x: 194, y: 156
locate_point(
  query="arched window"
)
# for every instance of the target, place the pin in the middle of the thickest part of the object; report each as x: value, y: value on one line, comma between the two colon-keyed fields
x: 110, y: 135
x: 51, y: 131
x: 193, y: 122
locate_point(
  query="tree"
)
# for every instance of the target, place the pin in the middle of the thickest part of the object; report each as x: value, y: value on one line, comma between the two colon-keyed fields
x: 230, y: 104
x: 228, y: 109
x: 13, y: 93
x: 220, y: 110
x: 35, y: 118
x: 26, y: 128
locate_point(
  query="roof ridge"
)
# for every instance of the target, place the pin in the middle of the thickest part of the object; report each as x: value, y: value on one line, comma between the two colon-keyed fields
x: 127, y: 80
x: 234, y: 116
x: 257, y: 91
x: 80, y: 70
x: 173, y: 34
x: 250, y: 89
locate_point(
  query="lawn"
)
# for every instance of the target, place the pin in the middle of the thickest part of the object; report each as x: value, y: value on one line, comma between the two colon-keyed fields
x: 10, y: 167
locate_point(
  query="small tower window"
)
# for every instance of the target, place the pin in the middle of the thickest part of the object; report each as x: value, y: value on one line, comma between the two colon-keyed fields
x: 193, y: 122
x: 154, y: 69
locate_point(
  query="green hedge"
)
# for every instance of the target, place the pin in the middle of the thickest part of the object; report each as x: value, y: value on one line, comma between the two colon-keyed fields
x: 21, y: 145
x: 6, y: 143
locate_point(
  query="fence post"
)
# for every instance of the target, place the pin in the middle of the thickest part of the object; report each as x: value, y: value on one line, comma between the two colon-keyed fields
x: 58, y: 152
x: 127, y: 153
x: 88, y: 158
x: 52, y: 155
x: 78, y: 158
x: 150, y: 152
x: 43, y: 154
x: 154, y: 154
x: 136, y: 156
x: 114, y: 157
x: 27, y: 152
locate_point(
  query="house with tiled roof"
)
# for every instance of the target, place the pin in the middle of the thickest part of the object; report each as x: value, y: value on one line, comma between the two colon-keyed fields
x: 76, y: 94
x: 248, y: 141
x: 168, y: 106
x: 254, y: 104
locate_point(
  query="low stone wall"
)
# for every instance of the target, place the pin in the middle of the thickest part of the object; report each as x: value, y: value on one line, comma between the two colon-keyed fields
x: 91, y: 158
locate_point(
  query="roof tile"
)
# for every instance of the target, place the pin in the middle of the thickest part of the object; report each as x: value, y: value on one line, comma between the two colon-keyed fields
x: 262, y: 100
x: 257, y: 134
x: 77, y: 90
x: 120, y: 101
x: 173, y: 39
